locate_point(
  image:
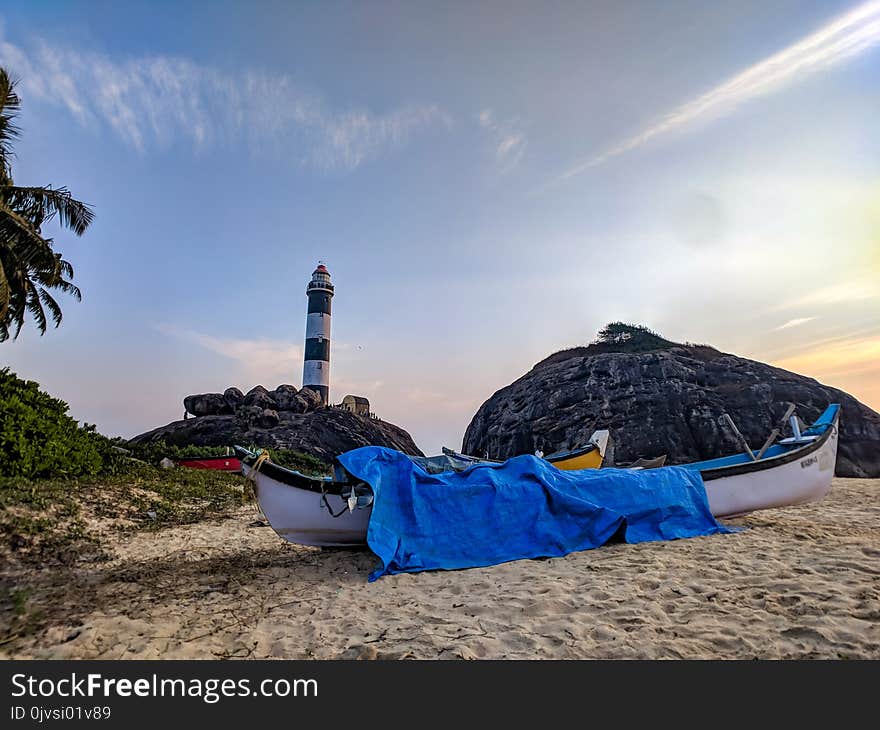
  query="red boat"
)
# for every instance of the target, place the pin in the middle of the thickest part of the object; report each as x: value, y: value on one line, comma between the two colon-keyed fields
x: 221, y: 463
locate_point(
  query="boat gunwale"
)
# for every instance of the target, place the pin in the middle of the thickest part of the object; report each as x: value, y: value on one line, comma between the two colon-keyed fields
x: 789, y: 456
x: 291, y: 477
x: 571, y: 453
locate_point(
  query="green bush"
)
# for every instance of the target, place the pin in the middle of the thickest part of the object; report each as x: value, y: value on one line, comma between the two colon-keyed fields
x: 38, y: 438
x: 305, y: 463
x: 626, y: 337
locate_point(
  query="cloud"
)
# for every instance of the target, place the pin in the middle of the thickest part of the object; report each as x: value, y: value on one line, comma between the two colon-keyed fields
x: 155, y: 101
x: 509, y: 142
x: 794, y: 323
x: 260, y: 359
x: 848, y: 35
x: 858, y: 289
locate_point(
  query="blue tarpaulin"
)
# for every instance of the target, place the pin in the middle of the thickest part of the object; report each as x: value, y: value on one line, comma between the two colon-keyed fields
x: 522, y: 508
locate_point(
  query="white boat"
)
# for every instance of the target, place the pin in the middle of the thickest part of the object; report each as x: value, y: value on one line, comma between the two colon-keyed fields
x: 308, y: 510
x: 796, y: 470
x: 335, y: 512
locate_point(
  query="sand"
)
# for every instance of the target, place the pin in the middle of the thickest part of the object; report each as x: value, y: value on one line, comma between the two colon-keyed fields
x: 801, y: 582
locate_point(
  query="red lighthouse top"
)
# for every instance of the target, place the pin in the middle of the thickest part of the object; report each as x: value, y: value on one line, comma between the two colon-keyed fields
x: 320, y: 280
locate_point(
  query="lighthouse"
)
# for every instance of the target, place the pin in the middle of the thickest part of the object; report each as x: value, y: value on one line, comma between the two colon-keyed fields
x: 316, y: 365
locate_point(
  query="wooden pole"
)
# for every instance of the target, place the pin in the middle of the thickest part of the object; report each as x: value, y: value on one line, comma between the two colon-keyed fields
x: 742, y: 439
x: 776, y: 431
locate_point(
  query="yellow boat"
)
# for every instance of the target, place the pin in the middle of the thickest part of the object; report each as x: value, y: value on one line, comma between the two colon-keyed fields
x: 583, y: 457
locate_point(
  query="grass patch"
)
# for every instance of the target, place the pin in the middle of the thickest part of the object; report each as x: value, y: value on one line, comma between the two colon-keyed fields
x: 52, y: 521
x: 49, y: 527
x: 17, y: 618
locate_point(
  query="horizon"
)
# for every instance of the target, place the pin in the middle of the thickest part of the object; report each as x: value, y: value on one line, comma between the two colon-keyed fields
x: 487, y: 185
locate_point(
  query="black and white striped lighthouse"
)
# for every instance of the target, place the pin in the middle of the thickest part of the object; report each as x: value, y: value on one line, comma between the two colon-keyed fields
x: 316, y: 365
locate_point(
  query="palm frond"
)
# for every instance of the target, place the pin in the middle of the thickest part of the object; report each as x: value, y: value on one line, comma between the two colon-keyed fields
x: 69, y: 288
x: 5, y: 291
x: 66, y: 268
x: 10, y: 104
x: 35, y: 307
x: 16, y: 227
x: 45, y: 203
x: 51, y: 305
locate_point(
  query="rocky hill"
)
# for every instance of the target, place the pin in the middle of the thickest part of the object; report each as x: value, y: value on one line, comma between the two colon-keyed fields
x: 661, y: 397
x: 284, y: 418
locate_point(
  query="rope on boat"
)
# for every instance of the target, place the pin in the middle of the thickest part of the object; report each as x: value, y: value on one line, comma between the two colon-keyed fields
x: 341, y: 512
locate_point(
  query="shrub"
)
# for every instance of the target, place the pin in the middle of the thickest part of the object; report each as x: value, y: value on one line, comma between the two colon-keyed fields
x: 631, y: 337
x: 37, y: 436
x: 305, y: 463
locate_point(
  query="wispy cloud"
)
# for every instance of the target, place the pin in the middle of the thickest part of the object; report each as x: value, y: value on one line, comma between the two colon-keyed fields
x: 846, y: 36
x: 857, y: 289
x: 155, y: 101
x: 260, y: 359
x: 509, y: 141
x: 794, y: 323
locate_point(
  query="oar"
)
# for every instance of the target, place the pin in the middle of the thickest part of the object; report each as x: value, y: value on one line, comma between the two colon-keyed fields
x: 776, y: 431
x: 742, y: 439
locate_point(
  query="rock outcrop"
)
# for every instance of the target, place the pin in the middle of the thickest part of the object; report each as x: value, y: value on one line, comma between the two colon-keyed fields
x: 284, y: 418
x: 207, y: 404
x: 659, y: 397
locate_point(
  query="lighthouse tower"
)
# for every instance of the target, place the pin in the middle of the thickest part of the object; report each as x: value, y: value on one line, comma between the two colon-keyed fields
x: 316, y: 365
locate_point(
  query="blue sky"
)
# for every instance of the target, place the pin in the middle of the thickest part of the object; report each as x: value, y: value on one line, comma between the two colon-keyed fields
x: 487, y: 182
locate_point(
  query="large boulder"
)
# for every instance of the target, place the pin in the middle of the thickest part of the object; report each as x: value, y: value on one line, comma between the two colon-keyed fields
x: 254, y: 416
x: 324, y: 433
x: 248, y: 414
x: 659, y: 397
x: 297, y: 404
x: 267, y: 419
x: 259, y: 396
x: 285, y: 398
x: 206, y: 404
x: 233, y: 397
x: 310, y: 398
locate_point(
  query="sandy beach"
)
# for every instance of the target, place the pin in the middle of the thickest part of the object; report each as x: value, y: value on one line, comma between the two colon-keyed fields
x: 801, y: 582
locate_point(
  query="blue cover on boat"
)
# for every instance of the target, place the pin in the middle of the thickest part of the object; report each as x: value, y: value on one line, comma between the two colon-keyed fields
x: 522, y: 508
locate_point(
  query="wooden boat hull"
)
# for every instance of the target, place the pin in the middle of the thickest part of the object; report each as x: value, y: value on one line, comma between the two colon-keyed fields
x: 220, y: 463
x: 590, y: 460
x: 654, y: 463
x: 802, y: 476
x: 587, y: 457
x: 300, y: 515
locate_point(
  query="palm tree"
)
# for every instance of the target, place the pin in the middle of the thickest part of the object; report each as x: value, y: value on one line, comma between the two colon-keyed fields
x: 30, y: 269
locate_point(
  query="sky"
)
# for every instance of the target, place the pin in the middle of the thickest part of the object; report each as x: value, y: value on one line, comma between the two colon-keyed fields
x: 487, y: 182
